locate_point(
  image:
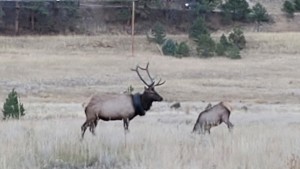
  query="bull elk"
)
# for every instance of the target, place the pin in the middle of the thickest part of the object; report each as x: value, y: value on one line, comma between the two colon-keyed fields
x: 121, y: 106
x: 213, y: 116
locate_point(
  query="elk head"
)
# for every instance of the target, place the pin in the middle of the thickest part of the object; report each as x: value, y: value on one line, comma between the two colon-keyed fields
x: 149, y: 90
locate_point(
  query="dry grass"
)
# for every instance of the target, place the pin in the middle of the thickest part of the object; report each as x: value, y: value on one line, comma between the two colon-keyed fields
x: 101, y: 63
x: 56, y: 74
x: 54, y: 143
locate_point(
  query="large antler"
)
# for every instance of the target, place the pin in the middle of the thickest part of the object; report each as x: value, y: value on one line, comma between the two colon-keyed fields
x: 147, y: 71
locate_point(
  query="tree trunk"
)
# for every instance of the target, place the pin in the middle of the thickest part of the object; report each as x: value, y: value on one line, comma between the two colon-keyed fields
x: 258, y: 26
x: 17, y: 18
x: 32, y: 20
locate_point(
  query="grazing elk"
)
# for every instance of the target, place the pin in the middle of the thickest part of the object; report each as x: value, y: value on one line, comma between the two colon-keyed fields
x: 213, y: 116
x: 121, y: 106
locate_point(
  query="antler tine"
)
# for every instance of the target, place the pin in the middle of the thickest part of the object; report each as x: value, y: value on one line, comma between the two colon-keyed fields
x: 138, y: 73
x: 159, y: 83
x: 147, y: 70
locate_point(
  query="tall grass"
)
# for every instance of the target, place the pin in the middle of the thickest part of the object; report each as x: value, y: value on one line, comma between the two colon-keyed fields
x: 150, y: 144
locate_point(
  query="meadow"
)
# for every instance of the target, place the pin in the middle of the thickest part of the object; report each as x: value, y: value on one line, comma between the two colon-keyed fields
x: 56, y: 75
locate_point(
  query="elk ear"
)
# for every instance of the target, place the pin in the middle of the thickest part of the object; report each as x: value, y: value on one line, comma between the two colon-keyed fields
x: 145, y: 88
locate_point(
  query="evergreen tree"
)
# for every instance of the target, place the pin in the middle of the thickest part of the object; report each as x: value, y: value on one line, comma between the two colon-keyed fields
x: 238, y: 8
x: 169, y: 48
x: 259, y: 14
x: 36, y: 8
x: 205, y: 45
x: 237, y: 38
x: 289, y: 8
x: 198, y: 28
x: 1, y: 13
x: 12, y: 108
x: 202, y: 7
x: 158, y: 34
x: 222, y: 46
x: 297, y: 5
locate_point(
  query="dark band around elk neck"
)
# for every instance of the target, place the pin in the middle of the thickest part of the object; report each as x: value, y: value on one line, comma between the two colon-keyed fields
x: 137, y: 104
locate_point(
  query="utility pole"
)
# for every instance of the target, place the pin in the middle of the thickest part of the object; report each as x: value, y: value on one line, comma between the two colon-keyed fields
x: 132, y: 27
x: 17, y: 18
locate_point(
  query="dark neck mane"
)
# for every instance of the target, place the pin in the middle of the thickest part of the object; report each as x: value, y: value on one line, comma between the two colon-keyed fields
x: 146, y: 102
x: 137, y: 104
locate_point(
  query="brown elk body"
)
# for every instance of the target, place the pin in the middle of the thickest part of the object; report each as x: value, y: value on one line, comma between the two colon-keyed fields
x: 120, y: 106
x: 213, y: 116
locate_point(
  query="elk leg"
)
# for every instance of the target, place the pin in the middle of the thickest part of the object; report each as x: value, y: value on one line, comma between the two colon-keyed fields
x: 85, y: 125
x: 208, y: 130
x: 229, y: 125
x: 126, y: 124
x: 93, y: 126
x: 83, y: 129
x: 225, y: 119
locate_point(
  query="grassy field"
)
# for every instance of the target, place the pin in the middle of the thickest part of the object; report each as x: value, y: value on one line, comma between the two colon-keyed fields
x: 55, y: 75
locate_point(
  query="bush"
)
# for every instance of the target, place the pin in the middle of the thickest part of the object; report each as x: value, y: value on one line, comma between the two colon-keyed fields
x: 12, y: 108
x: 233, y: 52
x: 129, y: 90
x: 289, y: 8
x: 205, y: 45
x: 297, y: 5
x: 222, y: 46
x: 1, y: 13
x: 169, y: 47
x: 225, y: 48
x: 158, y: 34
x: 237, y: 37
x: 198, y: 28
x: 183, y: 50
x: 259, y: 13
x: 220, y: 49
x: 238, y: 8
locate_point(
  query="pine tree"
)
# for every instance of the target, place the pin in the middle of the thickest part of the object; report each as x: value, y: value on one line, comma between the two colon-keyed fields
x: 237, y: 38
x: 238, y: 8
x: 289, y: 8
x: 198, y: 28
x: 12, y: 108
x: 297, y: 5
x: 158, y: 34
x: 205, y: 45
x: 259, y: 14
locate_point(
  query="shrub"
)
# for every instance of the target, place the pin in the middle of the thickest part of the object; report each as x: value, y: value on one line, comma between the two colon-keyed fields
x: 289, y: 8
x: 183, y: 50
x: 129, y: 90
x: 221, y: 46
x: 220, y: 49
x: 205, y: 45
x: 12, y: 108
x: 233, y: 52
x: 238, y: 8
x: 297, y: 5
x: 169, y: 47
x: 1, y: 13
x: 237, y: 37
x: 198, y: 28
x: 224, y: 41
x: 158, y: 34
x: 259, y: 14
